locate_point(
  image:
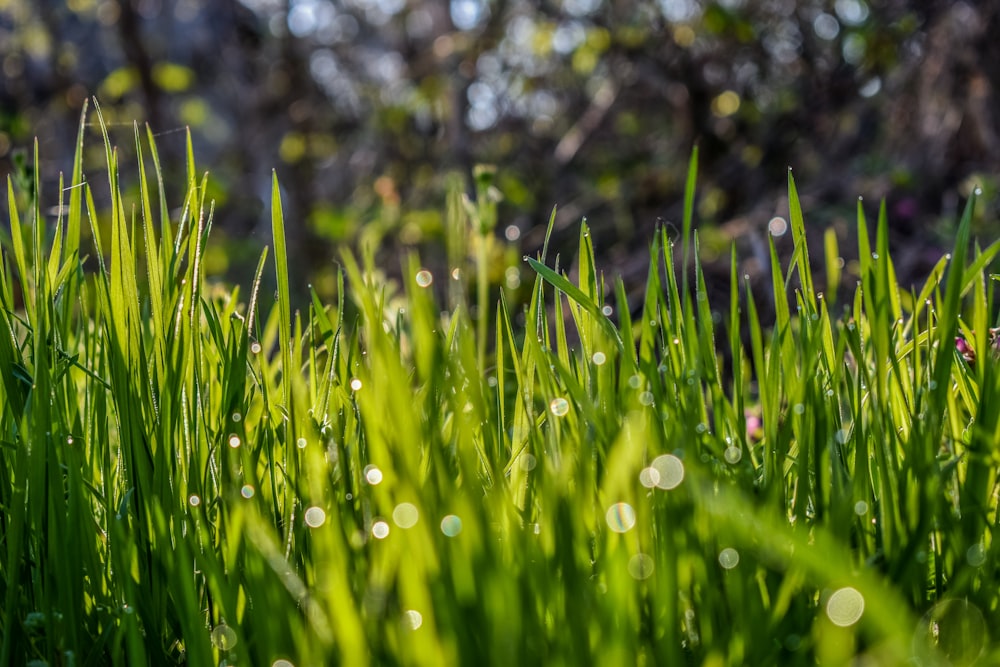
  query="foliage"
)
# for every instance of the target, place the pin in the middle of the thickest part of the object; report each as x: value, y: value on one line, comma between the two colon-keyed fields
x: 188, y: 477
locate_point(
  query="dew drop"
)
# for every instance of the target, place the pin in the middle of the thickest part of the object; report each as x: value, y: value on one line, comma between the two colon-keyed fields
x: 412, y: 619
x: 976, y: 555
x: 641, y: 566
x: 599, y: 358
x: 671, y: 470
x: 424, y: 278
x: 315, y: 517
x: 247, y: 491
x: 861, y: 508
x: 649, y: 477
x: 237, y: 417
x: 223, y: 637
x: 255, y: 347
x: 646, y: 398
x: 733, y: 454
x: 512, y: 233
x: 234, y: 440
x: 373, y: 475
x: 405, y: 515
x: 559, y: 407
x: 528, y: 462
x: 845, y: 607
x: 620, y: 517
x: 301, y: 443
x: 380, y: 530
x: 281, y: 662
x: 194, y: 500
x: 355, y: 384
x: 69, y: 440
x: 607, y: 310
x: 777, y: 226
x: 729, y: 558
x: 953, y: 632
x: 456, y: 274
x: 451, y: 525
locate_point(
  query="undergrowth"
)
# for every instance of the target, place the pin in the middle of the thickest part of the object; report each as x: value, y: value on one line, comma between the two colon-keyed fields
x: 191, y: 477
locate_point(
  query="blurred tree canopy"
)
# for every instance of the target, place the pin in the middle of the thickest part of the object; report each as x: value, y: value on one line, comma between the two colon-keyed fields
x: 365, y: 106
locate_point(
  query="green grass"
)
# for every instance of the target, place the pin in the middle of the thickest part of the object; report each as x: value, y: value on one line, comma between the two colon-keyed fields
x: 191, y: 476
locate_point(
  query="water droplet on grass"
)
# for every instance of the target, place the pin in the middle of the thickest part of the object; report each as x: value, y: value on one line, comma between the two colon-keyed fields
x: 620, y: 517
x: 607, y: 311
x: 373, y: 475
x: 405, y: 515
x: 559, y: 407
x: 733, y: 455
x: 380, y: 530
x: 729, y: 558
x: 641, y: 566
x: 424, y: 278
x: 861, y: 508
x: 194, y: 500
x: 512, y: 233
x: 69, y: 440
x: 599, y: 358
x: 234, y: 440
x: 255, y: 347
x: 777, y: 226
x: 512, y: 277
x: 976, y: 555
x: 412, y: 619
x: 223, y: 637
x: 635, y: 382
x: 845, y: 607
x: 451, y: 525
x: 355, y: 384
x: 301, y: 443
x: 281, y: 662
x: 646, y: 398
x: 237, y: 417
x: 247, y: 491
x: 953, y: 632
x: 528, y: 462
x: 649, y: 477
x: 671, y: 471
x: 315, y: 517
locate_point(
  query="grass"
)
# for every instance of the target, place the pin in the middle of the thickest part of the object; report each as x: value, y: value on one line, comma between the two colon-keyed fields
x: 191, y: 477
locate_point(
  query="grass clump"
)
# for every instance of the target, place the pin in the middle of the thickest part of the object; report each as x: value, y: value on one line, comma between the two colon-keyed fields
x: 189, y: 477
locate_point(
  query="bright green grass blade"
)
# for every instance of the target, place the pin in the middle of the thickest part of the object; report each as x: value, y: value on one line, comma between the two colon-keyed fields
x: 71, y: 247
x: 690, y: 186
x: 24, y: 270
x: 166, y: 238
x: 800, y: 259
x: 573, y: 292
x: 284, y: 299
x: 833, y: 265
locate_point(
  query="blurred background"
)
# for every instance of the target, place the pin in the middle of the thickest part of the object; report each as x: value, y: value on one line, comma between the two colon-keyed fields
x: 365, y: 107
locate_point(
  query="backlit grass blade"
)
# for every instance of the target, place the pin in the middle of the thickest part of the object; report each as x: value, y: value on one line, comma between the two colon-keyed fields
x: 690, y: 186
x: 284, y: 298
x: 573, y: 292
x: 800, y: 259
